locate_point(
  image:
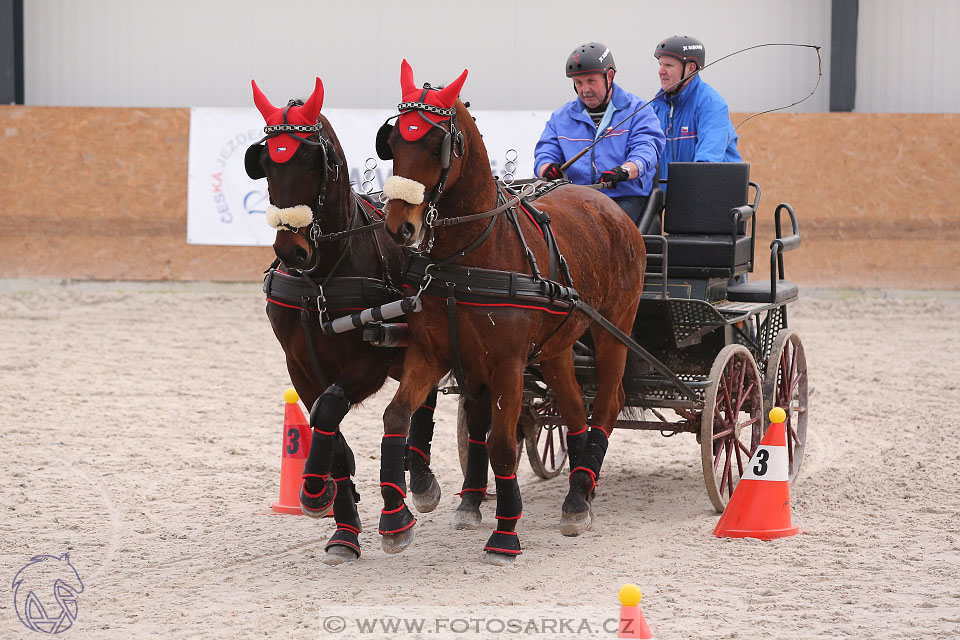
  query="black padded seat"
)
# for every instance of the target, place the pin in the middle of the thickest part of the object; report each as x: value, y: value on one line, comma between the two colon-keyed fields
x: 759, y: 291
x: 709, y: 251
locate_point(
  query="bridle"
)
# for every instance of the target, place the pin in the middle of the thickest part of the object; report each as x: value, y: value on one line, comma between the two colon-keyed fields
x: 331, y: 162
x: 453, y: 145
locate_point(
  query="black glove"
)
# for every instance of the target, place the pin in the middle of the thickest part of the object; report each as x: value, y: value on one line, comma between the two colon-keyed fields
x: 553, y: 172
x: 615, y: 175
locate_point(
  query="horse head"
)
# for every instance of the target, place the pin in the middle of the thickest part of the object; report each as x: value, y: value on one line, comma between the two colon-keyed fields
x: 303, y: 163
x: 428, y: 150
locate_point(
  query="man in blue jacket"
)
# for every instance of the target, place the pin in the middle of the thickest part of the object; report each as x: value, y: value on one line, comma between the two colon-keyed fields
x: 694, y: 117
x: 626, y: 155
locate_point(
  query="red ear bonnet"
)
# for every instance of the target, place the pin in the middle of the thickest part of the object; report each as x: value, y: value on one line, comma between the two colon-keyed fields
x: 283, y: 147
x: 412, y: 125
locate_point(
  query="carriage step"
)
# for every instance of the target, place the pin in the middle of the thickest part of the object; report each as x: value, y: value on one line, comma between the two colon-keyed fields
x: 727, y: 307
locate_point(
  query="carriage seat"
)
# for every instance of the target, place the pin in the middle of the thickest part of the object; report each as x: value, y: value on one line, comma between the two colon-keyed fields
x: 705, y: 219
x: 775, y: 290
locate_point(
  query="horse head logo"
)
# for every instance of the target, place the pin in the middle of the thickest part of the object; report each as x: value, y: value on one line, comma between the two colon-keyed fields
x: 45, y: 593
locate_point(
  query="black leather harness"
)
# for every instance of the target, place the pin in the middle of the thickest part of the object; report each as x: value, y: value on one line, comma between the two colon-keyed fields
x: 463, y: 284
x: 334, y: 295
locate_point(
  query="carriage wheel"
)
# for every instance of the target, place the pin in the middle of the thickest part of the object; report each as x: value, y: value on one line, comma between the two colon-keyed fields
x: 546, y: 437
x: 731, y: 425
x: 785, y: 386
x: 462, y: 443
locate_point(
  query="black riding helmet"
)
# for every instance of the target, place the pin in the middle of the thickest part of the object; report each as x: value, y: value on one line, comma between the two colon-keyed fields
x: 683, y: 48
x: 592, y: 57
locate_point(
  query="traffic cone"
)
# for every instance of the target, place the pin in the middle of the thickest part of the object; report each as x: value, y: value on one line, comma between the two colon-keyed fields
x: 296, y: 446
x: 760, y: 505
x: 632, y: 623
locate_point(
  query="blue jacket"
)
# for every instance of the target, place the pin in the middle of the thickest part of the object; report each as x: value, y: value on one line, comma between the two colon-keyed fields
x: 570, y: 129
x: 699, y: 130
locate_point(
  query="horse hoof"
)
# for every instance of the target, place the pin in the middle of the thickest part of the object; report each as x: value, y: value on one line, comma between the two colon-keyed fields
x: 466, y: 519
x: 339, y: 554
x: 428, y: 500
x: 498, y: 559
x: 396, y: 542
x: 573, y: 524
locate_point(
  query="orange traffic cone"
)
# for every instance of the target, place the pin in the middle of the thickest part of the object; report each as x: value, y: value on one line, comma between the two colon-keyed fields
x: 296, y: 446
x: 760, y: 505
x: 632, y: 623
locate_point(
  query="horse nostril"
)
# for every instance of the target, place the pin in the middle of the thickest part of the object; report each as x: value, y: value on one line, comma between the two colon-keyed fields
x: 291, y: 256
x: 406, y: 231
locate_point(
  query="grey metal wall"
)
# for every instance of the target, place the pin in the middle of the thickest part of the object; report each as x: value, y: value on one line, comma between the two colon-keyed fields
x: 204, y: 52
x: 906, y: 56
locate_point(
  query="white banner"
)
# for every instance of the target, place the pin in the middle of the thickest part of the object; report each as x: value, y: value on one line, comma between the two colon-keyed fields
x: 225, y: 207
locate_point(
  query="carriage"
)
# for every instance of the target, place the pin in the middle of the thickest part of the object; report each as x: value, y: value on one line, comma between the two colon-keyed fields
x: 708, y: 351
x: 718, y: 350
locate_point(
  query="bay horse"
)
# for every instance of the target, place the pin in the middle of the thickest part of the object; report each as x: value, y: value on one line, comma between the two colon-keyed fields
x: 334, y: 258
x: 441, y: 171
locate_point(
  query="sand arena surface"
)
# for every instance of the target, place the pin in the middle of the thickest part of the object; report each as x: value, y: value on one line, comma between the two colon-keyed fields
x: 141, y: 426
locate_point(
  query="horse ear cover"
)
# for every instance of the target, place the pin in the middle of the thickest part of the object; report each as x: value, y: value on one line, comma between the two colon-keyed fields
x: 384, y: 152
x: 251, y: 162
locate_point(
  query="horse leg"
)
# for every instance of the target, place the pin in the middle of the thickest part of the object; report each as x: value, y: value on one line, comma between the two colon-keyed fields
x: 344, y: 544
x: 396, y: 521
x: 319, y: 490
x: 467, y: 515
x: 423, y: 484
x: 610, y: 356
x: 506, y: 392
x: 558, y: 373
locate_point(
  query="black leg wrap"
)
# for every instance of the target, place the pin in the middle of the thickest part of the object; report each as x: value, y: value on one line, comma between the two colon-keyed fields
x: 593, y: 453
x: 575, y: 442
x: 505, y: 542
x: 475, y: 479
x: 318, y: 491
x: 346, y: 516
x: 421, y: 429
x: 509, y: 509
x: 394, y: 520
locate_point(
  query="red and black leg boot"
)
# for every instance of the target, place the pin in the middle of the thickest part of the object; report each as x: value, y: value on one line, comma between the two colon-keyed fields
x: 467, y: 515
x: 424, y: 488
x: 318, y: 490
x: 396, y: 521
x: 344, y: 544
x: 576, y: 515
x: 503, y: 546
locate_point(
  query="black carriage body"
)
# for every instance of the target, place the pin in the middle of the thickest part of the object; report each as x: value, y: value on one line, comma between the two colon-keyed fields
x: 709, y: 326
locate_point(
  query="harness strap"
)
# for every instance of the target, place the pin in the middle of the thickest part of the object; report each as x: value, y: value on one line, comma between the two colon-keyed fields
x: 455, y: 343
x: 478, y: 285
x: 470, y: 247
x: 341, y: 293
x: 636, y: 348
x: 318, y: 371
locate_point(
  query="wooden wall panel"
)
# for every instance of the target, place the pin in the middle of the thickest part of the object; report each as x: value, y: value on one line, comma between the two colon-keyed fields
x: 100, y: 193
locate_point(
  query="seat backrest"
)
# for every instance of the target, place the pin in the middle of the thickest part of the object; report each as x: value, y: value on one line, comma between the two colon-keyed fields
x: 700, y: 196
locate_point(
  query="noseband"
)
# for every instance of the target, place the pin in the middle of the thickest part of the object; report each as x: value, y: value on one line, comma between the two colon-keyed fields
x: 451, y: 147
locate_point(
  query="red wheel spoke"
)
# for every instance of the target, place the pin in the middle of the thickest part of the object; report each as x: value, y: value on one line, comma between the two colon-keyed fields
x: 548, y: 449
x: 727, y: 472
x: 724, y: 434
x: 738, y: 447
